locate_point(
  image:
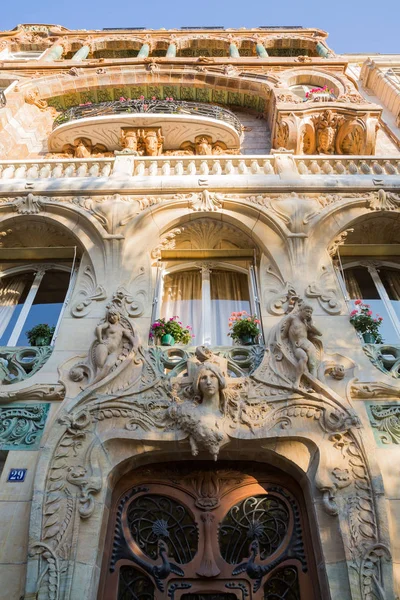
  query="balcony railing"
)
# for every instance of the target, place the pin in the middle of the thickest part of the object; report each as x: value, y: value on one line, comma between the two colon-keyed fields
x: 142, y: 105
x: 385, y: 357
x: 20, y: 363
x: 241, y: 360
x: 169, y: 166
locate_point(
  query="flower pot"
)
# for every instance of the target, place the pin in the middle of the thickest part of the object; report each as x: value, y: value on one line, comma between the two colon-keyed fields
x: 167, y: 340
x: 41, y: 341
x: 369, y: 338
x: 246, y: 340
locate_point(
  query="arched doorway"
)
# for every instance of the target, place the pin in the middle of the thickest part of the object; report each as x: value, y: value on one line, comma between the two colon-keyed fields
x: 205, y: 532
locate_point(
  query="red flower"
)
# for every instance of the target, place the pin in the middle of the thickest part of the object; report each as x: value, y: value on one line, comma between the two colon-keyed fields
x: 357, y: 302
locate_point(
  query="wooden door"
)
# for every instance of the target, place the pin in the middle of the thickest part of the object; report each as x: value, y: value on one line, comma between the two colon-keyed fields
x: 208, y: 534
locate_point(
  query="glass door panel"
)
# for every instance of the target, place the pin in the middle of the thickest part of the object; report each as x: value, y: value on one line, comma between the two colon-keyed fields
x: 48, y: 302
x: 360, y: 286
x: 391, y: 280
x: 229, y: 293
x: 182, y: 298
x: 13, y: 293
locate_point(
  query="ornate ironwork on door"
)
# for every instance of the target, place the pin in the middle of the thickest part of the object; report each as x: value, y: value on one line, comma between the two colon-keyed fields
x: 211, y: 534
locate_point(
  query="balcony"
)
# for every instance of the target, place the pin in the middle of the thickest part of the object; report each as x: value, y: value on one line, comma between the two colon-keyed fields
x: 242, y: 360
x: 178, y: 122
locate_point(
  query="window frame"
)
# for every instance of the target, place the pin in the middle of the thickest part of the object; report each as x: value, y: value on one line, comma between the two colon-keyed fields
x: 373, y: 267
x: 205, y: 267
x: 39, y: 269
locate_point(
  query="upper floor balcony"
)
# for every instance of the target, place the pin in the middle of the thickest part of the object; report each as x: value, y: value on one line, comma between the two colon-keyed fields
x: 146, y: 127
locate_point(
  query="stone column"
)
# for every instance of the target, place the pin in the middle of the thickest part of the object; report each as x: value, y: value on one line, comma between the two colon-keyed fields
x: 233, y: 50
x: 261, y: 51
x: 322, y: 50
x: 144, y: 51
x: 53, y: 53
x: 82, y: 53
x: 171, y: 52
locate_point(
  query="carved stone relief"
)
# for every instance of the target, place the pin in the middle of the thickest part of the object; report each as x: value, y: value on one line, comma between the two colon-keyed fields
x: 281, y: 295
x: 88, y: 292
x: 21, y: 426
x: 82, y: 148
x: 385, y: 419
x: 327, y: 131
x: 201, y: 234
x: 203, y: 145
x: 325, y: 290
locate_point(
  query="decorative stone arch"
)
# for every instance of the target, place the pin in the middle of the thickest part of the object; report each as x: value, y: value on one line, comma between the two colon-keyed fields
x: 346, y: 210
x: 136, y: 76
x: 46, y: 210
x: 254, y: 220
x: 89, y: 447
x: 286, y: 42
x: 317, y: 77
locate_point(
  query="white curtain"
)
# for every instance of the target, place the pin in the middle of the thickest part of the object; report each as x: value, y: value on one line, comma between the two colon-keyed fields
x: 352, y: 286
x: 182, y: 298
x: 10, y: 292
x: 229, y: 293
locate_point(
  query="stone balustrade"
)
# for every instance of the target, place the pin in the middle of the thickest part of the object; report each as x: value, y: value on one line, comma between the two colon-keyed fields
x: 55, y: 169
x: 200, y: 166
x: 345, y: 165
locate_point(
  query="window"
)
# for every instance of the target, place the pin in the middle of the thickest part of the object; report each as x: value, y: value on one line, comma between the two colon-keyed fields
x: 303, y: 91
x: 204, y: 296
x: 377, y: 284
x: 29, y: 296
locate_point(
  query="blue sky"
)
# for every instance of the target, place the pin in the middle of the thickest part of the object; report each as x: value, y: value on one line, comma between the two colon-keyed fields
x: 353, y: 25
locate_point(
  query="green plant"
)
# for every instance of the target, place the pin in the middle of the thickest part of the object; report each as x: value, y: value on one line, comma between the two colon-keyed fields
x: 43, y: 330
x: 173, y: 327
x: 242, y: 324
x: 363, y: 321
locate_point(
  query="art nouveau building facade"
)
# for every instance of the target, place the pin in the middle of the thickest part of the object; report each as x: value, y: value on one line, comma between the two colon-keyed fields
x: 197, y: 172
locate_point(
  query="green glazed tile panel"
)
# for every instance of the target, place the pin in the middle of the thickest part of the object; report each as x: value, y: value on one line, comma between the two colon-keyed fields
x: 22, y: 425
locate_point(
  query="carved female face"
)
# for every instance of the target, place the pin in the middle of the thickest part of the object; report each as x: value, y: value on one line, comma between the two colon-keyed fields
x: 208, y: 384
x: 151, y: 143
x: 130, y: 140
x: 203, y: 146
x: 82, y: 150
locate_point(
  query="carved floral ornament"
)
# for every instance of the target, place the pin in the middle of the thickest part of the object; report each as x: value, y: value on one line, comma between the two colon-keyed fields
x: 295, y: 211
x: 294, y: 388
x: 327, y: 132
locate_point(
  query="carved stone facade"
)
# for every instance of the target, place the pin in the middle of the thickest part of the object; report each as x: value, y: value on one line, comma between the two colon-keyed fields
x: 257, y: 178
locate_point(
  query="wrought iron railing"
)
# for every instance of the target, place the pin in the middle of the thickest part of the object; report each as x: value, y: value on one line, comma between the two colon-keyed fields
x: 142, y: 105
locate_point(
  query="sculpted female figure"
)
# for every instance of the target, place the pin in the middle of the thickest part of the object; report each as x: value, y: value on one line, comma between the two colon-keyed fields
x: 200, y: 418
x: 209, y: 386
x: 111, y: 336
